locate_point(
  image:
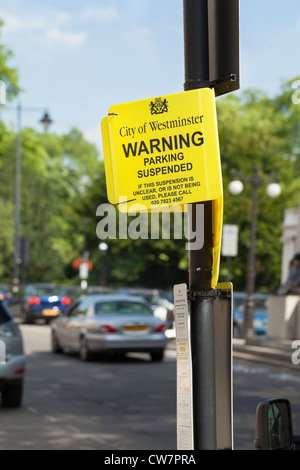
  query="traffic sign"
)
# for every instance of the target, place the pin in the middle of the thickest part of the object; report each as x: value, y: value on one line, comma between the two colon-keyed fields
x: 162, y: 151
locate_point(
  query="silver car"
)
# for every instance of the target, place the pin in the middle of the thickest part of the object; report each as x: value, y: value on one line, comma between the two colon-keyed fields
x: 12, y: 359
x: 109, y: 323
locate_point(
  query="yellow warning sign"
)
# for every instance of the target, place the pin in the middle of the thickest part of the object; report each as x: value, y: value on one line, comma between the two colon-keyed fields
x: 217, y: 211
x: 162, y: 151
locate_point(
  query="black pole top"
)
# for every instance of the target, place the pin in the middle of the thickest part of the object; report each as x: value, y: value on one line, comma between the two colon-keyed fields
x: 196, y: 50
x: 211, y: 45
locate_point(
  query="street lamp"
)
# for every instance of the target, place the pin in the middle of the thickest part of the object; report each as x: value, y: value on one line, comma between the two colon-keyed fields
x: 46, y: 121
x: 273, y: 190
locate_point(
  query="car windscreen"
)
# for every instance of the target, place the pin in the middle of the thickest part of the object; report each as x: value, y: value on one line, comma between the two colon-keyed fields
x: 239, y: 304
x: 122, y: 308
x: 47, y: 291
x: 4, y: 315
x: 260, y: 304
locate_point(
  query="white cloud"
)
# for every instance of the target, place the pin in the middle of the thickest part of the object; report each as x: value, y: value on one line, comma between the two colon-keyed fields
x: 65, y: 38
x: 34, y: 22
x: 43, y: 26
x: 142, y: 40
x: 11, y: 23
x: 100, y: 13
x: 140, y: 36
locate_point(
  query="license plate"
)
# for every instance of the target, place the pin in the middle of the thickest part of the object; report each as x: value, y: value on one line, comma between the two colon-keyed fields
x: 135, y: 328
x: 50, y: 312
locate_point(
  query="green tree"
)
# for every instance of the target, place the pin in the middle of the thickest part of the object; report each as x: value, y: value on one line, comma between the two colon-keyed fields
x: 8, y: 74
x: 253, y: 130
x: 52, y: 182
x: 55, y: 177
x: 257, y: 130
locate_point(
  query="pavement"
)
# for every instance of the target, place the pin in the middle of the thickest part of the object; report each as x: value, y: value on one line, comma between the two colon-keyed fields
x: 277, y: 351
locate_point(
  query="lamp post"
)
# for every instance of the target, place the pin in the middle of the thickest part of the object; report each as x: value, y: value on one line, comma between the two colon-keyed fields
x: 273, y: 190
x: 103, y: 247
x: 46, y: 121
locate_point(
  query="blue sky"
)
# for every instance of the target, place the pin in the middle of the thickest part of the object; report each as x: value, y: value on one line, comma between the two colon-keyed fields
x: 77, y: 58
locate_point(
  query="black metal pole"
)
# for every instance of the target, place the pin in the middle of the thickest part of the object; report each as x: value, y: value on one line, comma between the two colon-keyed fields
x: 16, y: 267
x: 251, y: 268
x: 196, y: 50
x: 200, y: 261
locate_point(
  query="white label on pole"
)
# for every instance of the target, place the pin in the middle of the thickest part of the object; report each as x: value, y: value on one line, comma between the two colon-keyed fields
x: 83, y: 271
x: 230, y: 240
x: 185, y: 439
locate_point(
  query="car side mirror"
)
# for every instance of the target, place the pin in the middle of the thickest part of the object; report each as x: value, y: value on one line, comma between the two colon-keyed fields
x: 274, y: 428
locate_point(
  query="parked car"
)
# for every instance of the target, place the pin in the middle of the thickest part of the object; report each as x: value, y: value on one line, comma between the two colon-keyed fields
x: 260, y: 317
x: 12, y: 359
x: 44, y: 301
x: 5, y: 293
x: 161, y: 306
x: 109, y: 323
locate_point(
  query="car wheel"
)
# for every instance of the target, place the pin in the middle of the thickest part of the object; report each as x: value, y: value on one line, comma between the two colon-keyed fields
x: 55, y: 343
x: 12, y: 395
x: 157, y: 355
x: 26, y: 319
x: 84, y: 352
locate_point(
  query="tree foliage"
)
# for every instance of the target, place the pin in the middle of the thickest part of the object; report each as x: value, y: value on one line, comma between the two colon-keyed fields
x: 63, y: 183
x: 257, y: 130
x: 8, y: 74
x: 52, y: 181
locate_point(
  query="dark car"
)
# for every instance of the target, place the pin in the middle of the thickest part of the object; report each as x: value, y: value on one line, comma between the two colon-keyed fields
x: 5, y: 293
x: 12, y: 359
x: 44, y: 301
x: 260, y: 317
